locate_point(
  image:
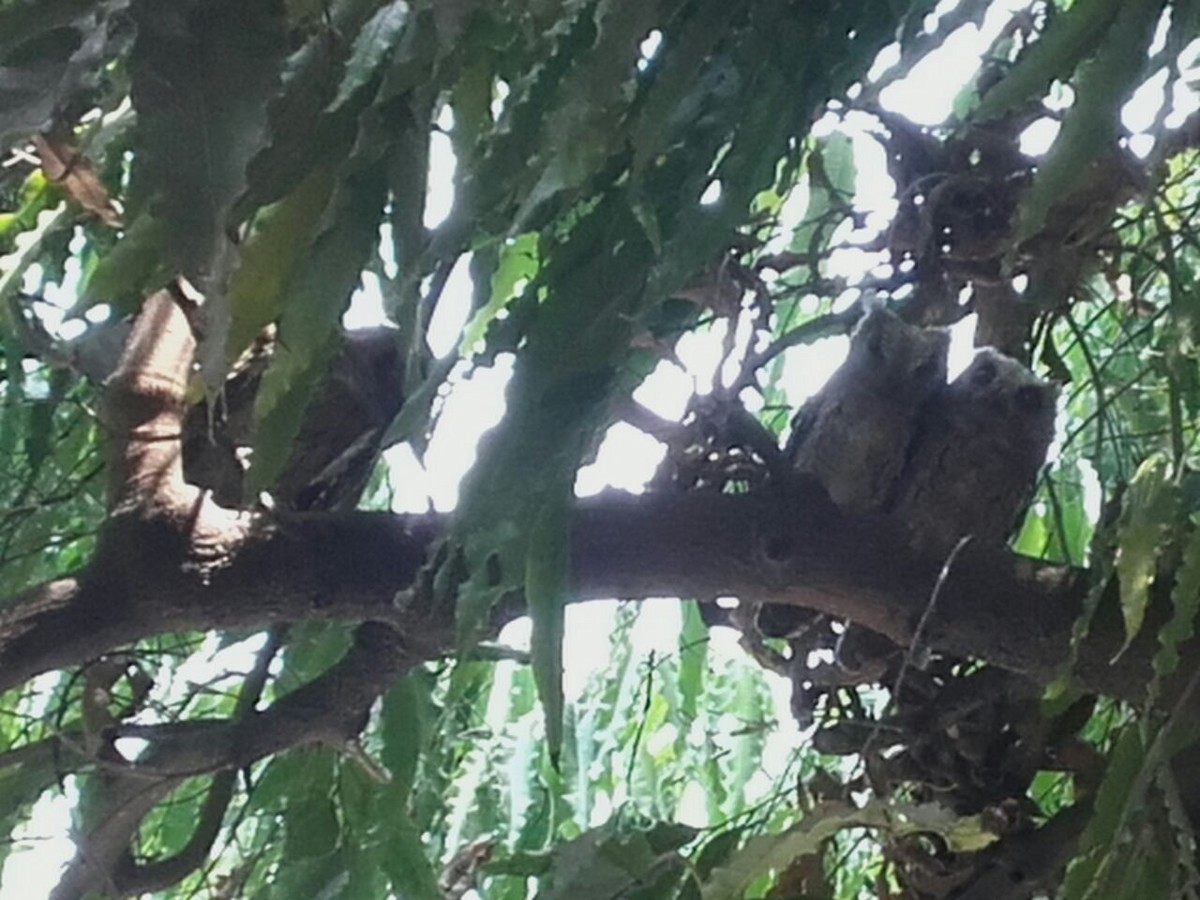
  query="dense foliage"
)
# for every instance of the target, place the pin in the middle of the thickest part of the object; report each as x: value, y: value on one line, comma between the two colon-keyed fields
x: 587, y: 192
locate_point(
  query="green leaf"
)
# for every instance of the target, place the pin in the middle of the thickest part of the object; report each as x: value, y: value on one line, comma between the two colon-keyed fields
x: 546, y: 576
x: 405, y: 859
x: 35, y: 195
x: 615, y: 860
x: 311, y: 826
x: 1090, y: 128
x: 202, y: 73
x: 1185, y: 603
x: 129, y: 270
x: 1114, y: 799
x: 371, y: 45
x: 318, y: 293
x: 404, y: 723
x: 518, y: 262
x: 587, y: 122
x: 1069, y: 38
x: 1146, y: 520
x: 678, y: 91
x: 556, y: 407
x: 505, y: 176
x: 763, y: 853
x: 312, y: 648
x: 301, y: 136
x: 317, y: 877
x: 281, y: 237
x: 693, y: 658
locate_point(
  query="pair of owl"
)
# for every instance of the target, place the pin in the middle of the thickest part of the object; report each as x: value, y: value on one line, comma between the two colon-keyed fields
x: 888, y: 435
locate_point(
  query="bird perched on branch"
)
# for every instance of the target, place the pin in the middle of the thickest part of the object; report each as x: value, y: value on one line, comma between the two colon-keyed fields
x: 979, y: 446
x: 853, y: 434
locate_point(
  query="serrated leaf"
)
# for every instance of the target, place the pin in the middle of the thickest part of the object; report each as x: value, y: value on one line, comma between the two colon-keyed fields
x: 1113, y: 799
x: 371, y: 46
x: 556, y: 407
x: 310, y: 820
x: 1146, y: 519
x: 1182, y: 860
x: 1070, y: 37
x: 1090, y: 127
x: 518, y: 260
x: 613, y: 861
x: 1185, y: 603
x: 678, y: 90
x: 505, y: 176
x: 282, y: 236
x: 763, y: 853
x: 201, y: 75
x: 587, y: 123
x: 317, y: 295
x: 318, y: 877
x: 301, y: 136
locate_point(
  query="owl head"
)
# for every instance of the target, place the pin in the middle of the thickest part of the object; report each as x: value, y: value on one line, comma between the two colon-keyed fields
x: 898, y: 358
x: 1000, y: 388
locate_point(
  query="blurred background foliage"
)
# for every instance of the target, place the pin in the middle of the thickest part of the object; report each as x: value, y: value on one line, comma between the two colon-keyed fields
x: 618, y: 177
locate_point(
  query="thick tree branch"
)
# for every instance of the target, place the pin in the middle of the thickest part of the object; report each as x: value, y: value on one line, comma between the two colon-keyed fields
x: 330, y: 710
x: 796, y: 549
x: 133, y: 877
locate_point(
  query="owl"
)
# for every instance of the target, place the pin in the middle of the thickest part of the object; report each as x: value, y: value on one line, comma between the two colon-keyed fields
x: 853, y: 434
x: 979, y: 447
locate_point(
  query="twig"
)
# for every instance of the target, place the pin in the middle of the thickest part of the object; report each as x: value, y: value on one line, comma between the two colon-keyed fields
x: 918, y: 634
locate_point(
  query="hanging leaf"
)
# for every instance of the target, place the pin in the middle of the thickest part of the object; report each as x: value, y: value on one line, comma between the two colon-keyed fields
x: 1100, y: 845
x: 546, y: 576
x: 518, y: 262
x: 371, y: 46
x: 317, y: 294
x: 1185, y: 602
x: 1147, y: 519
x: 1069, y: 38
x: 300, y: 135
x: 202, y: 73
x: 282, y: 236
x: 1089, y: 130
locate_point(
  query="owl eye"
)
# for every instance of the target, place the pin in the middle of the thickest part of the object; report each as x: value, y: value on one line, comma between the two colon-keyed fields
x: 1029, y: 399
x: 983, y: 374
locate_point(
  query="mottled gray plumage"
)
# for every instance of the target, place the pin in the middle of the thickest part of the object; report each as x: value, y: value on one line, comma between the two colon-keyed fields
x: 853, y: 433
x: 979, y: 447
